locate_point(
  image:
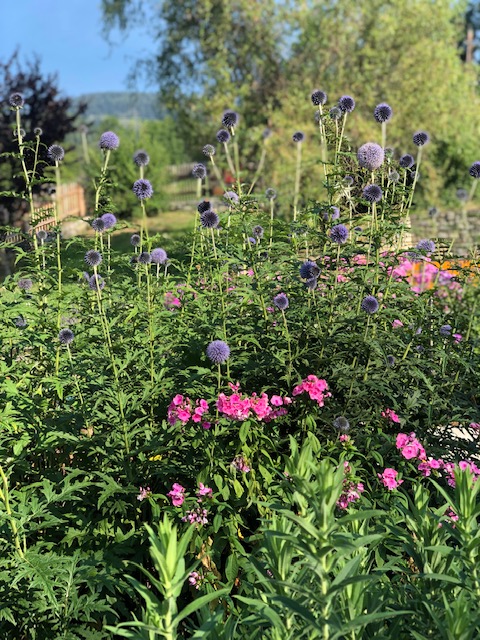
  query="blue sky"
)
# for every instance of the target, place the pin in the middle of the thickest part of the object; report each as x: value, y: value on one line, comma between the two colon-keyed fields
x: 67, y: 35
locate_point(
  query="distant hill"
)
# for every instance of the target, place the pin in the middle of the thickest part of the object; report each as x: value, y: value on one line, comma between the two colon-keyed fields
x: 123, y: 105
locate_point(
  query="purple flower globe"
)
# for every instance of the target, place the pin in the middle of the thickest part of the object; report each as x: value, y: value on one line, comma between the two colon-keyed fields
x: 309, y: 269
x: 199, y: 171
x: 427, y: 246
x: 66, y: 336
x: 223, y: 136
x: 93, y: 258
x: 346, y: 104
x: 109, y: 220
x: 406, y: 161
x: 98, y: 225
x: 218, y: 351
x: 370, y: 156
x: 420, y: 138
x: 335, y: 113
x: 135, y: 240
x: 56, y: 153
x: 298, y: 136
x: 339, y: 234
x: 25, y: 284
x: 159, y: 256
x: 382, y: 112
x: 204, y: 206
x: 109, y: 141
x: 142, y: 189
x: 16, y: 100
x: 369, y: 304
x: 144, y: 258
x: 96, y: 281
x: 319, y: 97
x: 208, y: 150
x: 474, y: 170
x: 209, y: 219
x: 445, y: 330
x: 342, y: 424
x: 231, y: 196
x: 230, y: 119
x: 372, y: 193
x: 281, y: 301
x: 270, y: 194
x: 141, y: 158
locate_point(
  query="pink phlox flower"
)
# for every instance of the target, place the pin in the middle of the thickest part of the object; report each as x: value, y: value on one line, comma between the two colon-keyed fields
x: 410, y: 447
x: 344, y: 438
x: 144, y: 493
x: 389, y: 414
x: 458, y: 337
x: 260, y: 406
x: 204, y: 491
x: 206, y: 425
x: 197, y: 516
x: 179, y: 409
x: 276, y: 401
x: 200, y: 409
x: 316, y: 388
x: 234, y: 406
x: 474, y: 425
x: 397, y: 323
x: 176, y: 494
x: 240, y: 464
x: 389, y: 479
x: 171, y: 301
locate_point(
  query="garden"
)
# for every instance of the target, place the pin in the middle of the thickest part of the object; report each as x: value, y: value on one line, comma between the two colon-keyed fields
x: 265, y: 427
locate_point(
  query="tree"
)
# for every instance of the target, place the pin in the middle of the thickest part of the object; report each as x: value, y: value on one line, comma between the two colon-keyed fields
x: 45, y: 107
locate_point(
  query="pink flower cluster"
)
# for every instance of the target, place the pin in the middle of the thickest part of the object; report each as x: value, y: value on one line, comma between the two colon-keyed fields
x: 196, y: 579
x: 389, y: 478
x: 410, y: 447
x: 177, y: 494
x: 239, y: 407
x: 351, y: 490
x: 181, y: 409
x: 197, y: 516
x: 204, y: 491
x: 144, y: 493
x: 240, y: 464
x: 389, y: 414
x: 316, y: 388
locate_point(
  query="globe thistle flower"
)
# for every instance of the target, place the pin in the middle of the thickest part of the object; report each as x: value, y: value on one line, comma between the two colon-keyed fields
x: 20, y: 322
x: 42, y: 235
x: 109, y: 141
x: 370, y: 156
x: 230, y: 119
x: 93, y: 258
x: 208, y: 150
x: 427, y: 246
x: 432, y: 212
x: 159, y: 256
x: 267, y: 132
x: 218, y: 351
x: 462, y: 194
x: 346, y: 104
x: 66, y: 336
x: 144, y: 258
x: 445, y: 330
x: 407, y: 161
x: 298, y: 136
x: 38, y: 131
x: 96, y: 280
x: 319, y: 97
x: 270, y: 194
x: 394, y: 176
x: 25, y: 284
x: 258, y: 231
x: 335, y: 213
x: 342, y: 424
x: 357, y: 229
x: 135, y: 240
x: 339, y: 234
x: 335, y: 113
x: 205, y: 205
x: 348, y: 181
x: 16, y: 100
x: 389, y: 151
x: 372, y: 193
x: 252, y: 240
x: 382, y: 112
x: 142, y: 189
x: 281, y: 301
x: 109, y: 220
x: 369, y: 304
x: 420, y: 138
x: 474, y: 170
x: 390, y: 361
x: 223, y: 136
x: 231, y: 196
x: 209, y: 219
x: 309, y: 269
x: 98, y: 224
x: 311, y: 284
x: 199, y: 171
x: 56, y: 153
x: 141, y: 158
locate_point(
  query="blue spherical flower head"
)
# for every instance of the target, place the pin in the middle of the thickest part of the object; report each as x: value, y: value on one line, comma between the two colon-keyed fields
x: 252, y: 240
x: 406, y: 161
x: 462, y: 194
x: 420, y: 138
x: 109, y: 141
x: 218, y: 351
x: 159, y: 256
x: 141, y: 158
x: 298, y: 136
x: 135, y: 240
x: 258, y: 231
x: 382, y: 112
x: 231, y: 197
x: 281, y: 301
x: 348, y: 181
x: 66, y: 336
x: 270, y: 194
x: 369, y: 304
x: 93, y: 258
x: 98, y: 224
x: 474, y: 170
x: 96, y: 281
x: 372, y: 193
x: 223, y: 136
x: 339, y: 234
x: 25, y: 284
x: 16, y: 100
x: 445, y: 330
x: 142, y: 189
x: 394, y: 176
x: 342, y: 424
x: 335, y: 113
x: 144, y: 258
x: 230, y: 119
x: 319, y: 97
x: 204, y: 206
x: 346, y: 104
x: 208, y: 150
x: 311, y: 283
x: 390, y: 361
x: 42, y: 235
x: 38, y: 131
x: 370, y: 156
x: 109, y: 220
x: 199, y: 171
x: 309, y: 269
x: 20, y: 322
x: 209, y: 219
x: 55, y: 153
x: 427, y: 246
